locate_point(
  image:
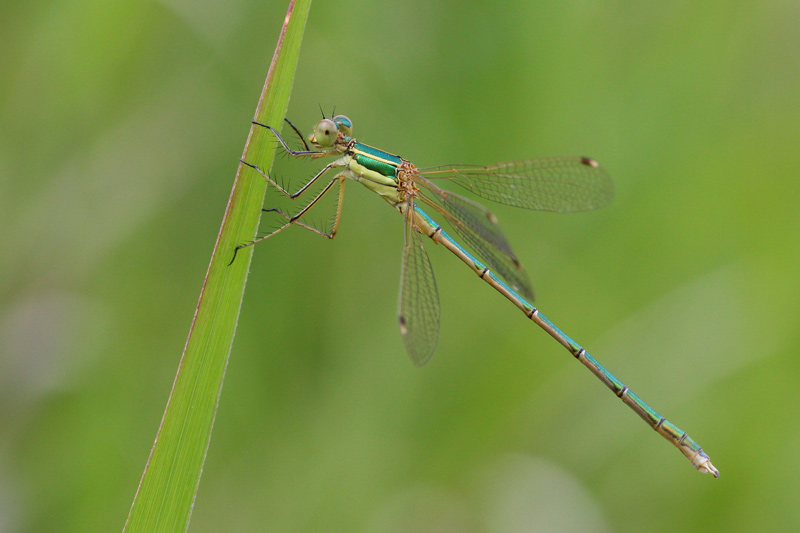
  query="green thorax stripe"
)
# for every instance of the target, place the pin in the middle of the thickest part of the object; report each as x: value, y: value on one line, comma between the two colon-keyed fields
x: 374, y: 159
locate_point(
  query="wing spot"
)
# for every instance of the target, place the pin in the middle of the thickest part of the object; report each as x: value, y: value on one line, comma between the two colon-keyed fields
x: 589, y: 162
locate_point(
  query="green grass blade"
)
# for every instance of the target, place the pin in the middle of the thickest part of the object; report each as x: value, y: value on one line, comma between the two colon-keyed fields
x: 167, y: 490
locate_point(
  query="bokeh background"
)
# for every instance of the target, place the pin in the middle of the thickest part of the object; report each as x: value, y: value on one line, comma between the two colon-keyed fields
x: 122, y: 123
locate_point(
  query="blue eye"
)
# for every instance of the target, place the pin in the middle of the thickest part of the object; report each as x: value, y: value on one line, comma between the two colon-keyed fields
x: 344, y: 124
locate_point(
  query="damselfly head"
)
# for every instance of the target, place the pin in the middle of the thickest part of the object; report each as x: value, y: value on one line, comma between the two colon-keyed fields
x: 327, y: 131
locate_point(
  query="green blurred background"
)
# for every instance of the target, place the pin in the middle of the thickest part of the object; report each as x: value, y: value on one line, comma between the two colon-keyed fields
x: 122, y: 123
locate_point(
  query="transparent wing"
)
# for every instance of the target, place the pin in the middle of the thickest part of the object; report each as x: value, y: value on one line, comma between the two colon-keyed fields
x: 550, y: 184
x: 419, y: 300
x: 479, y: 229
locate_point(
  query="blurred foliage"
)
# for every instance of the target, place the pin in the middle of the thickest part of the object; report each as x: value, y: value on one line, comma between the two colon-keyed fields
x: 121, y: 128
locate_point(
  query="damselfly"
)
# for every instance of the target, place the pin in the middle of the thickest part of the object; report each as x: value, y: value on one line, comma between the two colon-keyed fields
x: 552, y: 184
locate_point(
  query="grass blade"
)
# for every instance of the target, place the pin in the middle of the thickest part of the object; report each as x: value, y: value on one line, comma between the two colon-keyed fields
x: 168, y: 487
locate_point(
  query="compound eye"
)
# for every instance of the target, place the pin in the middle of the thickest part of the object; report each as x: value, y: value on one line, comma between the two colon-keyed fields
x: 325, y: 133
x: 344, y: 124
